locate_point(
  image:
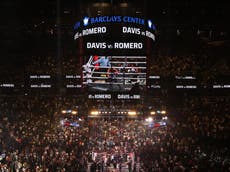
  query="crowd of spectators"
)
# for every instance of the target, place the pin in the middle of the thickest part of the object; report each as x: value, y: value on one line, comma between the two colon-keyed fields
x: 205, y: 68
x: 33, y: 139
x: 49, y: 65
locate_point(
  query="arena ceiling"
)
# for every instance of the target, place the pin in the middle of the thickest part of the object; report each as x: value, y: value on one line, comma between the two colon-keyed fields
x: 18, y: 18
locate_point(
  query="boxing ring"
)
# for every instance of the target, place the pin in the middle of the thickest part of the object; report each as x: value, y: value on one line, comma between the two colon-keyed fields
x: 114, y: 73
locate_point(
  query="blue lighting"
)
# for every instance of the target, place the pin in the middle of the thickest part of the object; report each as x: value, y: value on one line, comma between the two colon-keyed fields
x: 151, y: 25
x: 86, y: 21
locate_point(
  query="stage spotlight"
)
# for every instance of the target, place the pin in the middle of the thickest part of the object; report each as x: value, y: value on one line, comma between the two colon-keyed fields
x: 63, y: 111
x: 152, y: 113
x: 149, y: 119
x: 132, y: 113
x: 94, y: 112
x: 165, y: 118
x: 74, y: 112
x: 163, y: 112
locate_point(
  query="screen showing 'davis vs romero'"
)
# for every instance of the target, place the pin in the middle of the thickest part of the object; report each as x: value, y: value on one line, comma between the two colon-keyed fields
x: 114, y: 51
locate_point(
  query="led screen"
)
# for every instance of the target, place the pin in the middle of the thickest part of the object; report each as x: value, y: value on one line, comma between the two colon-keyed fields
x: 114, y: 73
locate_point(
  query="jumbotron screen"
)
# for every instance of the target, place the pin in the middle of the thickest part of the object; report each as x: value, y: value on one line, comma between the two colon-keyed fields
x: 114, y: 52
x: 114, y: 73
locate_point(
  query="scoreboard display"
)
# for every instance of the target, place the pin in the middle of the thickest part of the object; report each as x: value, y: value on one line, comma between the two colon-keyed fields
x: 114, y: 35
x: 113, y: 52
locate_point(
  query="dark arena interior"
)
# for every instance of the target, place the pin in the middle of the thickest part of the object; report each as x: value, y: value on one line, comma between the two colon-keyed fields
x: 114, y: 86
